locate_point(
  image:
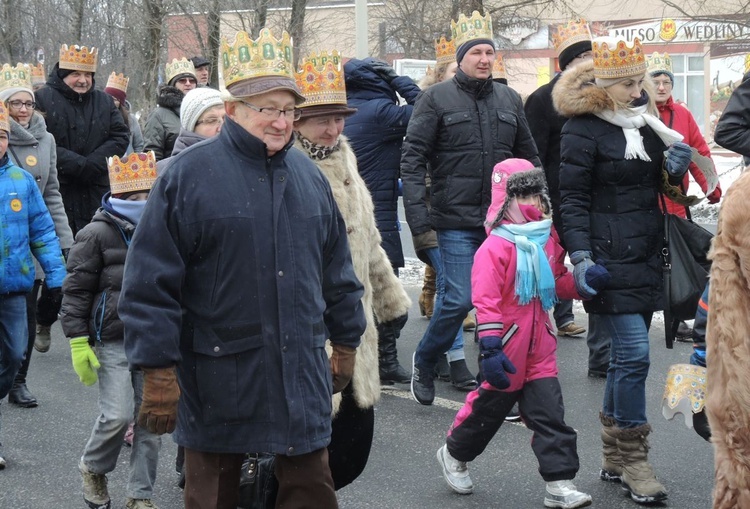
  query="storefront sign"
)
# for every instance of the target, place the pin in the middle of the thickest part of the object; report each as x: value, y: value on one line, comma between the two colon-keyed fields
x: 676, y: 30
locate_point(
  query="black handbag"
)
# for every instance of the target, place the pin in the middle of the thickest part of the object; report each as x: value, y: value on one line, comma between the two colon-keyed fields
x: 258, y: 484
x: 686, y: 268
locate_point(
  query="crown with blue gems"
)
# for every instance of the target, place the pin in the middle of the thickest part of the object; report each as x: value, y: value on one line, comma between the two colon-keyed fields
x: 321, y: 79
x: 265, y: 56
x: 468, y: 29
x: 78, y: 58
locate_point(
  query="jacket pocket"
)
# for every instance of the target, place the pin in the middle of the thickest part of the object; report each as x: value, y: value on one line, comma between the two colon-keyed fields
x: 459, y: 128
x: 507, y: 126
x: 230, y: 373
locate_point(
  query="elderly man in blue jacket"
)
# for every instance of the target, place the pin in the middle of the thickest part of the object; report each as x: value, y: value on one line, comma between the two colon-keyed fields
x: 238, y: 274
x: 376, y: 133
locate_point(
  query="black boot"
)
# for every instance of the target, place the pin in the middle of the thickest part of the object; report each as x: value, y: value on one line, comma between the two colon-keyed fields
x: 461, y: 377
x: 390, y: 370
x: 19, y: 395
x: 442, y: 370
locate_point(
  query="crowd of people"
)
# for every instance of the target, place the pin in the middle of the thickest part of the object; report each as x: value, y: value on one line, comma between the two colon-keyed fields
x: 140, y: 260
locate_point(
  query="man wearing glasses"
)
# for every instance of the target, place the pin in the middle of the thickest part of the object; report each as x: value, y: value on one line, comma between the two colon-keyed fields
x: 163, y: 124
x: 238, y: 274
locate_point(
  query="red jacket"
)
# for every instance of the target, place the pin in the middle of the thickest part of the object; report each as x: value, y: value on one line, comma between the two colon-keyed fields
x: 678, y: 117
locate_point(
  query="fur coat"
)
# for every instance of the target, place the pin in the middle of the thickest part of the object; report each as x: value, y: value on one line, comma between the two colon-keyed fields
x: 384, y: 297
x: 728, y: 350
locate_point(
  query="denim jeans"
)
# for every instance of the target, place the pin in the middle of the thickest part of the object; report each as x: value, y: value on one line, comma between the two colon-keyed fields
x: 456, y: 351
x: 13, y: 338
x: 563, y: 313
x: 120, y: 396
x: 457, y: 248
x: 625, y: 390
x: 598, y: 342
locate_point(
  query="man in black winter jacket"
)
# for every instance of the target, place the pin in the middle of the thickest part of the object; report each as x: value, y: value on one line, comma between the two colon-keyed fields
x: 459, y: 129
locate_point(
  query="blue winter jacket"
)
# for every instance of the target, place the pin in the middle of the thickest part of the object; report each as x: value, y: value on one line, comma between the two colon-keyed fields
x: 238, y: 272
x: 27, y: 228
x: 375, y: 133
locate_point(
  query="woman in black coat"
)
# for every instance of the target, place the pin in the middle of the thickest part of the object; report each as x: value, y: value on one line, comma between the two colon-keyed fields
x: 610, y: 175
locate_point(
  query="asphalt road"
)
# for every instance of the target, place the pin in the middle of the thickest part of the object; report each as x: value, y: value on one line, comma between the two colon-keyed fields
x: 43, y: 445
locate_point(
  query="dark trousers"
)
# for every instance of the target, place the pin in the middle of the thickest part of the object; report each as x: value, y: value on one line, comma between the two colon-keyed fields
x: 31, y: 304
x: 351, y: 439
x: 46, y: 310
x: 563, y: 313
x: 541, y: 406
x: 598, y: 341
x: 212, y: 480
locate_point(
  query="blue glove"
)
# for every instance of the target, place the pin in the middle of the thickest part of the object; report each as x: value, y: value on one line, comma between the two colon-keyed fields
x: 677, y: 159
x: 597, y: 276
x: 581, y: 261
x: 494, y: 363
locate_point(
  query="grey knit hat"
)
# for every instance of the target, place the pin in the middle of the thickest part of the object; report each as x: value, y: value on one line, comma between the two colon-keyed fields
x: 195, y: 103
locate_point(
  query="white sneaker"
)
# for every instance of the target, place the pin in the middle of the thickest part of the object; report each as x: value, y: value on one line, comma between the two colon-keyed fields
x: 2, y: 463
x: 564, y: 495
x: 456, y: 473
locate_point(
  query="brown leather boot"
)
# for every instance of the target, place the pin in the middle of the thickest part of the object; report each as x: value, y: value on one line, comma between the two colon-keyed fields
x: 427, y: 297
x: 611, y: 460
x: 638, y: 476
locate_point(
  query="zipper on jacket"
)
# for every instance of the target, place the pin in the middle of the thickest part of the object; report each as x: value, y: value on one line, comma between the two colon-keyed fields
x: 99, y: 316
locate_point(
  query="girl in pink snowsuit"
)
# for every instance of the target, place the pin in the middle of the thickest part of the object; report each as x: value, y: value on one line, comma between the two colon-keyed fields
x: 518, y: 275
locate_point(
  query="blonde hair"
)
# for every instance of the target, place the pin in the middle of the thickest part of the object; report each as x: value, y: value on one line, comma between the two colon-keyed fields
x: 648, y: 86
x: 435, y: 76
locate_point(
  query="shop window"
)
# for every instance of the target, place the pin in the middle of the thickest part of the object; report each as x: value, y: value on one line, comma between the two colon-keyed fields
x: 689, y: 84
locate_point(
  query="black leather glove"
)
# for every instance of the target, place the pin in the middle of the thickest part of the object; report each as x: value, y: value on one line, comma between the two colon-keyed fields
x: 383, y: 70
x: 56, y: 297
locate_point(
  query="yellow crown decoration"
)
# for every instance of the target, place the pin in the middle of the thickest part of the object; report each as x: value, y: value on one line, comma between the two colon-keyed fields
x: 118, y: 81
x: 445, y: 51
x: 4, y: 121
x: 177, y: 67
x: 567, y: 34
x: 659, y: 63
x: 747, y: 62
x: 265, y: 56
x: 321, y: 79
x: 78, y: 58
x: 15, y: 77
x: 37, y: 74
x: 135, y: 173
x: 498, y: 68
x: 614, y: 58
x: 467, y: 29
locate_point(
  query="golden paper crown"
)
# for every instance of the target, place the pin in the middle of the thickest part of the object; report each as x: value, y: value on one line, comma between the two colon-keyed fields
x: 136, y: 173
x: 614, y: 58
x: 78, y: 58
x: 321, y: 79
x: 445, y: 51
x: 565, y: 35
x: 15, y: 77
x: 467, y: 29
x: 118, y: 81
x: 265, y: 56
x: 498, y: 68
x: 181, y: 66
x: 37, y: 74
x: 659, y: 63
x: 4, y: 122
x: 747, y: 62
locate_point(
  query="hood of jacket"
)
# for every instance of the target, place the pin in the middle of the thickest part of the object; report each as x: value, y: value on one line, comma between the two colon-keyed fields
x: 56, y: 82
x: 576, y: 92
x: 363, y: 83
x: 31, y: 135
x: 170, y: 97
x: 186, y: 139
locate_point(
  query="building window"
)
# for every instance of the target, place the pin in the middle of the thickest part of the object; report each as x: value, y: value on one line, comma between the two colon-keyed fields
x: 688, y: 84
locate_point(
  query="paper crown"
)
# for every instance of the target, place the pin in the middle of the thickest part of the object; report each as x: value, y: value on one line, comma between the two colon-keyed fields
x: 659, y: 63
x: 247, y: 58
x: 467, y: 29
x: 118, y: 81
x: 445, y: 51
x: 4, y: 122
x: 321, y: 79
x: 498, y: 68
x: 614, y: 58
x: 78, y: 58
x: 37, y: 74
x: 747, y: 62
x: 177, y: 67
x: 15, y: 77
x: 565, y: 35
x: 136, y: 173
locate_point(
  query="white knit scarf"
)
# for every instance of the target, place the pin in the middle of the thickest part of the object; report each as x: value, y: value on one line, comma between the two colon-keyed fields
x: 633, y: 118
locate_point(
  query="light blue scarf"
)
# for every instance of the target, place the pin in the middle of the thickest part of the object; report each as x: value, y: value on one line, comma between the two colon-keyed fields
x: 534, y: 277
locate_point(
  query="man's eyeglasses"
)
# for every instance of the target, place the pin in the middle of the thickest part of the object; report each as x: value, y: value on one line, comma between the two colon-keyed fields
x: 665, y: 84
x: 275, y: 113
x: 17, y: 105
x: 210, y: 121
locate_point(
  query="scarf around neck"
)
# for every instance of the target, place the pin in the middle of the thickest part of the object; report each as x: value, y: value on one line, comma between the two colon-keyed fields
x: 318, y: 152
x: 633, y: 118
x: 534, y: 277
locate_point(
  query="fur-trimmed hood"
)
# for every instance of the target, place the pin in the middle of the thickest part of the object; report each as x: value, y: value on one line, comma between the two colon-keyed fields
x: 576, y: 93
x: 170, y: 97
